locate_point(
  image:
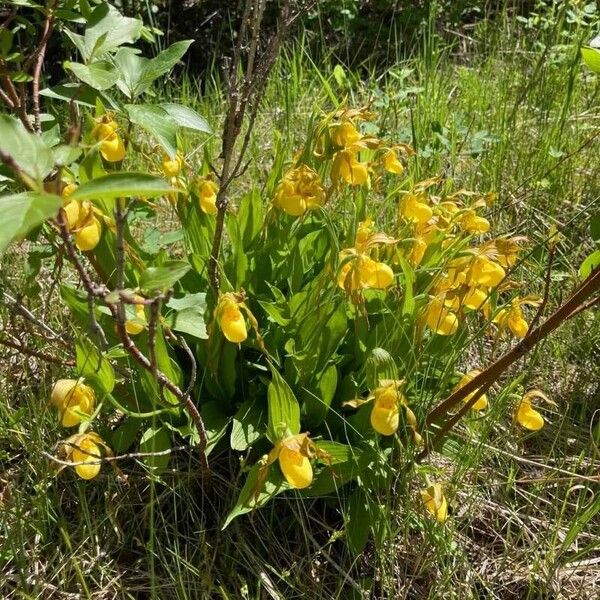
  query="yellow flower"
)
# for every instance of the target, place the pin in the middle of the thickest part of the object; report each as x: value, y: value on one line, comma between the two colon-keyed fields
x: 439, y: 318
x: 299, y: 190
x: 435, y: 502
x: 482, y: 401
x: 526, y: 415
x: 508, y: 250
x: 86, y: 448
x: 484, y: 272
x: 88, y: 228
x: 294, y: 461
x: 412, y: 209
x: 512, y: 317
x: 345, y: 166
x: 417, y: 251
x: 71, y: 208
x: 473, y: 223
x: 345, y: 135
x: 363, y: 272
x: 385, y: 414
x: 363, y: 233
x: 391, y: 163
x: 230, y: 319
x: 138, y: 324
x: 172, y: 166
x: 475, y: 298
x: 206, y: 190
x: 113, y: 148
x: 73, y: 399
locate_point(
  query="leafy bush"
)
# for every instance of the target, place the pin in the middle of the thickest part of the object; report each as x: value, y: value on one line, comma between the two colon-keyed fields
x: 315, y: 344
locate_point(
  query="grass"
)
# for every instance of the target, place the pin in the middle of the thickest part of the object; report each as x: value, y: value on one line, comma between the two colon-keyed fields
x: 501, y: 107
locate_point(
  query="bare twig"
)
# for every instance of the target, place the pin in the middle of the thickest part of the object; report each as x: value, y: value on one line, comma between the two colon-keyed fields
x: 35, y: 353
x: 245, y: 94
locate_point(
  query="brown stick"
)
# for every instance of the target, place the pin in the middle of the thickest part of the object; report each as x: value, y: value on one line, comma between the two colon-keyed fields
x: 35, y: 353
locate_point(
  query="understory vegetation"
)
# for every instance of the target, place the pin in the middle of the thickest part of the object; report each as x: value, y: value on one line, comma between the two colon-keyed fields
x: 226, y: 357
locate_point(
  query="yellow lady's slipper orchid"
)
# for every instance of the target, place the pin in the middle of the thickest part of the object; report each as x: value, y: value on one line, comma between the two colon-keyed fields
x: 363, y: 233
x: 73, y: 399
x: 112, y: 147
x: 363, y: 272
x: 481, y: 402
x: 345, y: 135
x: 391, y: 162
x: 508, y: 250
x: 230, y: 319
x: 88, y: 228
x: 138, y: 324
x: 484, y: 272
x: 206, y: 190
x: 435, y: 502
x: 439, y: 318
x: 171, y: 167
x: 526, y: 415
x: 85, y: 451
x: 299, y: 190
x: 417, y: 251
x: 475, y: 298
x: 512, y: 317
x: 345, y: 166
x: 385, y: 414
x: 474, y: 224
x: 413, y: 209
x: 294, y: 462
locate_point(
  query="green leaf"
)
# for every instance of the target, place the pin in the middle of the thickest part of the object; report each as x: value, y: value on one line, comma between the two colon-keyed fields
x: 318, y: 399
x: 216, y: 423
x: 161, y: 64
x: 284, y: 410
x: 595, y: 227
x: 186, y: 117
x: 130, y: 65
x: 91, y: 364
x: 78, y: 93
x: 251, y: 498
x: 358, y: 521
x: 248, y: 424
x: 190, y: 321
x: 250, y: 217
x: 164, y: 277
x: 589, y: 264
x: 340, y: 472
x: 188, y: 315
x: 107, y: 29
x: 99, y: 75
x: 124, y: 435
x: 591, y: 56
x: 123, y: 185
x: 157, y: 122
x: 28, y: 150
x: 23, y: 212
x: 65, y: 155
x: 156, y: 439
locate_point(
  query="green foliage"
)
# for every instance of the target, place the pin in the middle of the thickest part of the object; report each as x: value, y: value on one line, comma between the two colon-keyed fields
x: 315, y: 346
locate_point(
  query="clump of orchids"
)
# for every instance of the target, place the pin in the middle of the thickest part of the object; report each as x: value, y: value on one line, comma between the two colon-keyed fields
x: 75, y: 402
